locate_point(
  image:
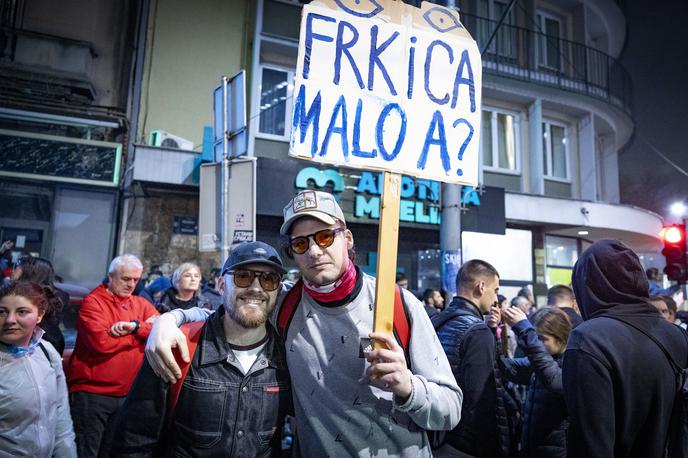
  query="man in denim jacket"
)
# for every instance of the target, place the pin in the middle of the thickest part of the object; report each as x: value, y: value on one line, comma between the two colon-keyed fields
x: 236, y: 393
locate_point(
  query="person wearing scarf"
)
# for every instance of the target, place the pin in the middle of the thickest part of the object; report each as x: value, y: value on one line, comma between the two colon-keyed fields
x: 349, y: 400
x: 619, y: 386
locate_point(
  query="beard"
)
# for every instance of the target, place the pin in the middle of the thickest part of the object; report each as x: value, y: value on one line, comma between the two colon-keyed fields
x: 249, y: 316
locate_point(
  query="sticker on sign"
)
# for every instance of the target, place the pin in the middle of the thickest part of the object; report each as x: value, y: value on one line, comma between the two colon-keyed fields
x: 242, y: 236
x: 384, y: 85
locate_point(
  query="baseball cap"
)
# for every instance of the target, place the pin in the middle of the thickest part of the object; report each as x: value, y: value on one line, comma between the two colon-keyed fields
x: 318, y: 204
x: 253, y: 253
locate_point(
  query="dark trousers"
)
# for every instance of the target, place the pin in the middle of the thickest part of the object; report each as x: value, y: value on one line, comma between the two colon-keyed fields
x: 94, y: 417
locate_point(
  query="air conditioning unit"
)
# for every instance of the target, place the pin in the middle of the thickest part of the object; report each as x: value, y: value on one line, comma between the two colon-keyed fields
x: 167, y: 140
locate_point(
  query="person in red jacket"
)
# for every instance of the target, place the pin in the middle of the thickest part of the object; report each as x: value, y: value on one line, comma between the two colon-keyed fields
x: 112, y: 329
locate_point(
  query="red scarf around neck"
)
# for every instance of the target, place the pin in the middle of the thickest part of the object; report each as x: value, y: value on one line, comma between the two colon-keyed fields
x: 334, y: 291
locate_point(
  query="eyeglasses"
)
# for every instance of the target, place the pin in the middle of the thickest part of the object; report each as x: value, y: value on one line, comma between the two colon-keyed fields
x: 269, y: 281
x: 323, y: 239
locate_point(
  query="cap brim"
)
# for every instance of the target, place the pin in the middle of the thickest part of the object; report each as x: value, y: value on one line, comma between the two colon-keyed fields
x: 324, y: 217
x: 265, y: 262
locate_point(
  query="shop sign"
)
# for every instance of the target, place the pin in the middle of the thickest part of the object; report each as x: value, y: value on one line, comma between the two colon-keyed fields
x: 412, y: 211
x: 28, y: 155
x: 419, y: 198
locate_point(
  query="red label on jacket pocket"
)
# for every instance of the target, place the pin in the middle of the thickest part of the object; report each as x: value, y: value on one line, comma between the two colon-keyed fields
x: 272, y: 389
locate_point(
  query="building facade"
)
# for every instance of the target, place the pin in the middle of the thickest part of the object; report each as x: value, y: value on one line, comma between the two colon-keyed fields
x: 66, y: 70
x: 556, y: 116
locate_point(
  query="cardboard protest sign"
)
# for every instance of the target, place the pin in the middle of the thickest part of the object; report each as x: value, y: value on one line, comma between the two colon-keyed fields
x: 386, y: 86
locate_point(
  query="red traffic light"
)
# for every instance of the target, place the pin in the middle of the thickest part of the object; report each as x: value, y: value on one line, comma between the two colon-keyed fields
x: 672, y: 234
x: 674, y: 251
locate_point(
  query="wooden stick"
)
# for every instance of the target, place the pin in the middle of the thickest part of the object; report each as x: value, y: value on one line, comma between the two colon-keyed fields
x: 387, y: 242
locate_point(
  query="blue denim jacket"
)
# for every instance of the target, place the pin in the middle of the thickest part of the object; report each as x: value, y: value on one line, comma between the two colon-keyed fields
x: 220, y: 411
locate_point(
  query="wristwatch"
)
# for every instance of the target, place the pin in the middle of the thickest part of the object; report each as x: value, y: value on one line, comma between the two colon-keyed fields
x: 138, y: 325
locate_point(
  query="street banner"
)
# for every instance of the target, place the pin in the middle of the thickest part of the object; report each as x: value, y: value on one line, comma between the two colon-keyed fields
x: 383, y: 85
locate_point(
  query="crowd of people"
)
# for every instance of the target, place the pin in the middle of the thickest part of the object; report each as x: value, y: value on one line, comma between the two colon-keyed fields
x: 251, y: 363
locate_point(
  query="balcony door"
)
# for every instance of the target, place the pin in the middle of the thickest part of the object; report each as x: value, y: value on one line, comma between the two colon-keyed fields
x: 504, y: 43
x: 549, y: 45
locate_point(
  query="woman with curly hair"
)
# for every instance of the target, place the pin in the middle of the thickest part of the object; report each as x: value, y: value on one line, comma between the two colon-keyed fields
x: 34, y: 408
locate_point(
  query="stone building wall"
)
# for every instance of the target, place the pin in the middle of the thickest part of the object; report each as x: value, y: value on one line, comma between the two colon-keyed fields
x: 149, y: 233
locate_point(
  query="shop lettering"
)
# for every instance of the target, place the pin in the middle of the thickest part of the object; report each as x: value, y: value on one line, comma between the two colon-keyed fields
x: 423, y: 210
x: 371, y: 183
x: 409, y: 210
x: 320, y: 178
x: 470, y: 196
x: 412, y: 211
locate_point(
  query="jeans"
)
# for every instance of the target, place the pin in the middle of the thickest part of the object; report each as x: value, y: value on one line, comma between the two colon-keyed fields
x: 94, y: 417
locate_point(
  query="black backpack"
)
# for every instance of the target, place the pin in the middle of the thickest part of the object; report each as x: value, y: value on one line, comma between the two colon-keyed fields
x: 677, y: 440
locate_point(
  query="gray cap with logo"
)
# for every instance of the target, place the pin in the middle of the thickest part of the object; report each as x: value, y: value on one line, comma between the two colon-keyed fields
x: 317, y: 204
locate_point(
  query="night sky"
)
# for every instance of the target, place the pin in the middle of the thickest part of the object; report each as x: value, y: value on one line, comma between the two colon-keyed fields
x: 656, y: 56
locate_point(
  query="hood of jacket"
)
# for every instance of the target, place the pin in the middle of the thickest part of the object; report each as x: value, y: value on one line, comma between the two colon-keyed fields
x: 608, y: 279
x: 103, y: 293
x: 159, y: 284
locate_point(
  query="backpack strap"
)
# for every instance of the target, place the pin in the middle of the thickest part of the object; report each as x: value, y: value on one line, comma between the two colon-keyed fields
x: 293, y: 298
x: 401, y: 319
x: 192, y: 332
x: 47, y: 355
x: 677, y: 369
x: 288, y: 308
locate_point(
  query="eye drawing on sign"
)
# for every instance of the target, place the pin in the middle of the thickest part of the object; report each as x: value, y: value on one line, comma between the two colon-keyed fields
x: 376, y: 7
x: 441, y: 19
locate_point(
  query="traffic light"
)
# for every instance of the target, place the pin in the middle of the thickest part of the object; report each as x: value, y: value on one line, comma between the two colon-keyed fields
x: 674, y: 251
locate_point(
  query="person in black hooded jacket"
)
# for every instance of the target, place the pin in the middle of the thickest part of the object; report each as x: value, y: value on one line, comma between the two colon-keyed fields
x: 619, y: 387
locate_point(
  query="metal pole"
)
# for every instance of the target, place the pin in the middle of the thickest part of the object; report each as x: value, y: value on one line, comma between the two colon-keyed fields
x: 224, y: 176
x: 450, y: 228
x: 450, y: 235
x: 684, y: 287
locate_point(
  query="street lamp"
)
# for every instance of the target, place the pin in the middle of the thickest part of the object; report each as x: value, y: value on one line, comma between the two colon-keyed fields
x: 678, y: 209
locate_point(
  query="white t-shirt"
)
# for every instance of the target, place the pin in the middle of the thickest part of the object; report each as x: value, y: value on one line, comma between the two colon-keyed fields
x: 247, y: 355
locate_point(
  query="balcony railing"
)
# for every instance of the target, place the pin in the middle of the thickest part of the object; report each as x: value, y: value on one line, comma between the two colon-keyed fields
x: 532, y: 56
